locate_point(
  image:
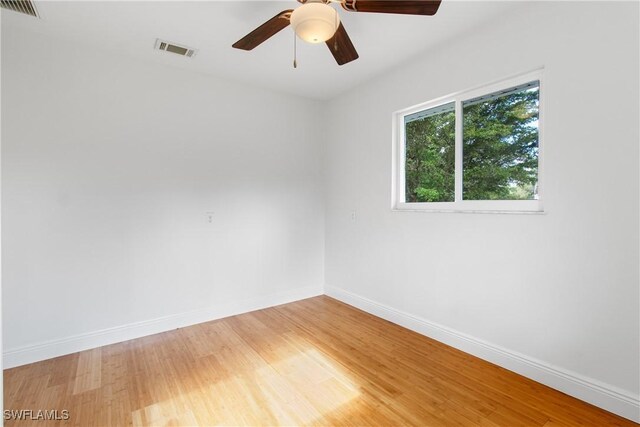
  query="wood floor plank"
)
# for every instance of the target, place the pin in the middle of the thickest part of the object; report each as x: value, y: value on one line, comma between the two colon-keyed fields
x: 315, y: 362
x: 89, y: 371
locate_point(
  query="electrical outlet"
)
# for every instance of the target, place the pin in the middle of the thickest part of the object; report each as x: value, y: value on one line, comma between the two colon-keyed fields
x: 209, y: 217
x: 353, y: 215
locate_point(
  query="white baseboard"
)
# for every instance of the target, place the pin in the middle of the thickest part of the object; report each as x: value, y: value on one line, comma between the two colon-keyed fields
x: 605, y: 396
x: 59, y: 347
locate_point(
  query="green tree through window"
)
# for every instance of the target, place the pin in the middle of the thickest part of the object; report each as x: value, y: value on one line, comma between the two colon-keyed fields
x: 500, y: 147
x: 430, y: 156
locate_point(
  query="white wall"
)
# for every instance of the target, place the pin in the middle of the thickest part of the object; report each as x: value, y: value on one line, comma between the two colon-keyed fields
x: 108, y: 168
x: 1, y: 341
x: 560, y: 289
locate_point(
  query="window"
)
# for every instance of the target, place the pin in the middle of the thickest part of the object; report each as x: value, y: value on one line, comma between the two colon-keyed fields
x: 477, y: 150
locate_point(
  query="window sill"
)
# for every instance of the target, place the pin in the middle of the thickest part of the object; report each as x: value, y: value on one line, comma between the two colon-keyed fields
x: 523, y: 207
x: 469, y: 211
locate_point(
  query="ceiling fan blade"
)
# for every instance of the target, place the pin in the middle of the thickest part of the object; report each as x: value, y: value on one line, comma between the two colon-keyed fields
x: 264, y: 31
x: 341, y: 47
x: 407, y: 7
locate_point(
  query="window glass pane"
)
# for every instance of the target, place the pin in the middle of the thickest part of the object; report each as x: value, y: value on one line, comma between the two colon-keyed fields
x: 430, y: 155
x: 500, y: 145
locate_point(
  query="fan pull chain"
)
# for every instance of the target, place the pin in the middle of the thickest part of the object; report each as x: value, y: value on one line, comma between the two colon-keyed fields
x: 295, y: 62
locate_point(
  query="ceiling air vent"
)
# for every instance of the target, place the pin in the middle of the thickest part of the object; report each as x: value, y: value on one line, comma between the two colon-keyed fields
x: 23, y: 6
x: 174, y: 48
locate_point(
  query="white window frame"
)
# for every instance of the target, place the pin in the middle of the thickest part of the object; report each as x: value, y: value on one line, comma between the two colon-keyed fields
x: 482, y: 206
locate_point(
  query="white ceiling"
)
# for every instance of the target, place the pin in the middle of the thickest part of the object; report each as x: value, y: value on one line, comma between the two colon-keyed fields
x: 131, y: 28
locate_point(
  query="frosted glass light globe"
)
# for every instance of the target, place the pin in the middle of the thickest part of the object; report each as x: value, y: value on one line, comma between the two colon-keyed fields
x: 315, y: 22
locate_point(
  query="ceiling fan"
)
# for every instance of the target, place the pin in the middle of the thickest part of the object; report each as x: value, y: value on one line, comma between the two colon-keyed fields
x: 315, y: 21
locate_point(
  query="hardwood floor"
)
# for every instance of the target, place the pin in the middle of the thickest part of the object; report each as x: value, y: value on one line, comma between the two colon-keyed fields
x: 312, y: 362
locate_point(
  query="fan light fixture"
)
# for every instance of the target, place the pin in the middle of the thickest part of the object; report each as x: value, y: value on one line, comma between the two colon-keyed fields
x: 315, y: 22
